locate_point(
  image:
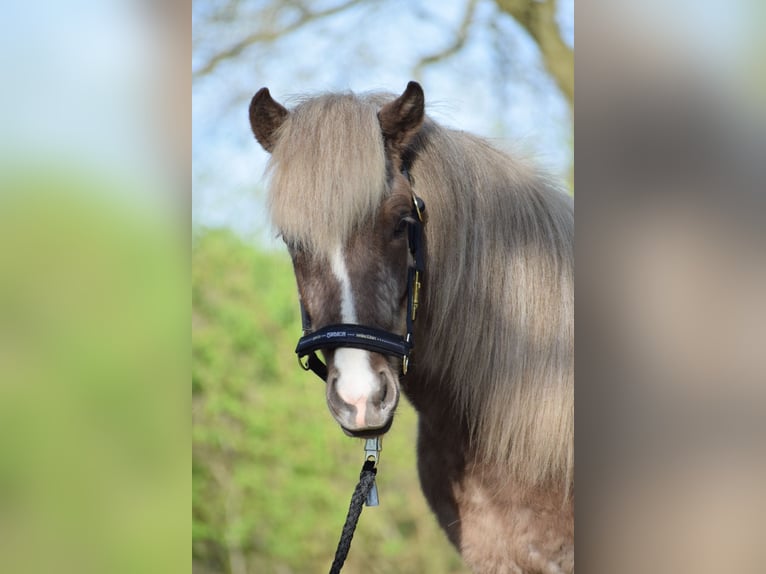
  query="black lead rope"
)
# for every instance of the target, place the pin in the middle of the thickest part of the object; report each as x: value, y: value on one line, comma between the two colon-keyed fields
x: 363, y: 488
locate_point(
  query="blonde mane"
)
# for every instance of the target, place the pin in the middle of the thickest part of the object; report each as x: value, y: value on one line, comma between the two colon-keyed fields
x: 331, y: 174
x: 496, y: 332
x: 499, y: 305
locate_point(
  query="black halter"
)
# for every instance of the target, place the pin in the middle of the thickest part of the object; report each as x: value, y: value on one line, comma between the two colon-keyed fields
x: 371, y: 338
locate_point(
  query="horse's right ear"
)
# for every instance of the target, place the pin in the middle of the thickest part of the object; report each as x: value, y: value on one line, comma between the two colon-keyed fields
x: 266, y: 116
x: 401, y: 119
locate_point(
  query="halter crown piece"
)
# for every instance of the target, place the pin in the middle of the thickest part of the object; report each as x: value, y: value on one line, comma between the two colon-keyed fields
x: 370, y: 338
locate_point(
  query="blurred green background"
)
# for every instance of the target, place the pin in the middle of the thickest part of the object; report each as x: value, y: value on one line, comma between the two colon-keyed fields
x: 94, y: 427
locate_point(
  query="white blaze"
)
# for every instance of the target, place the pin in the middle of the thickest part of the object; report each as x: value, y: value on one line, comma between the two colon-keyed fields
x: 338, y: 263
x: 356, y: 381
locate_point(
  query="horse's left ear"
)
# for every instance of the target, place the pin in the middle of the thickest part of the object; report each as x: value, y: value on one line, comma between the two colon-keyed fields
x: 401, y: 119
x: 266, y: 115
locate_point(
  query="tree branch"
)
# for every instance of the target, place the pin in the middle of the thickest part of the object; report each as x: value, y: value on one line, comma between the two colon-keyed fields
x: 456, y: 46
x: 538, y: 18
x: 264, y: 36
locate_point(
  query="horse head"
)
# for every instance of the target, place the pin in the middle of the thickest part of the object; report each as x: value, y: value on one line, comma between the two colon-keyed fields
x: 344, y: 205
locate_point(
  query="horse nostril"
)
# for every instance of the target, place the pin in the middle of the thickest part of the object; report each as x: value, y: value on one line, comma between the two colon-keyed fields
x: 385, y: 390
x: 377, y: 398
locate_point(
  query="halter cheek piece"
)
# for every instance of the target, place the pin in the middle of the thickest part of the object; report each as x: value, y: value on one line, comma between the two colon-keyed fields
x: 370, y: 338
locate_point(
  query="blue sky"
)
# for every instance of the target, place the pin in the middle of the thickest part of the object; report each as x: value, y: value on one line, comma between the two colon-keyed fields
x: 78, y: 82
x: 80, y: 94
x: 372, y: 47
x: 72, y: 75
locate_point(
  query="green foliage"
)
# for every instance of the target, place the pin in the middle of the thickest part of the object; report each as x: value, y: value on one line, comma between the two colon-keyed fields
x: 272, y: 472
x: 94, y: 435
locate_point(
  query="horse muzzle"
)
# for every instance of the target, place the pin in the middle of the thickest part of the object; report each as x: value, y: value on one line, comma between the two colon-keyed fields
x: 362, y: 391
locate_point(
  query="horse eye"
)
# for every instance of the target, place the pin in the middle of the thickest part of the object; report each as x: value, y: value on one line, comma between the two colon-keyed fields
x: 290, y: 243
x: 294, y: 248
x: 401, y: 227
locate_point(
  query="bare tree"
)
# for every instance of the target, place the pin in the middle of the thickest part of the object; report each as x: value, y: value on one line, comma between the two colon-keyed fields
x: 249, y: 23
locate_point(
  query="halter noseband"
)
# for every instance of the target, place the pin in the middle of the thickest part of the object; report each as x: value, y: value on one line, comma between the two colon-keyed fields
x: 371, y: 338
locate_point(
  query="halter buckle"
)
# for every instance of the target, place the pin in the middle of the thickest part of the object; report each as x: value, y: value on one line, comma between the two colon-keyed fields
x: 415, y: 294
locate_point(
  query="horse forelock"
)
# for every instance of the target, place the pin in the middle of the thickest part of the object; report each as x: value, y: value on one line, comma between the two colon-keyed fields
x: 328, y: 170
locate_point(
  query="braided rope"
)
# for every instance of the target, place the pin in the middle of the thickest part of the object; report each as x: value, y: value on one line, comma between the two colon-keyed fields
x: 366, y: 482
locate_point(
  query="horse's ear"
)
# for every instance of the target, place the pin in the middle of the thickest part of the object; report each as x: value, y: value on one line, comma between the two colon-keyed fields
x: 401, y: 119
x: 266, y: 115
